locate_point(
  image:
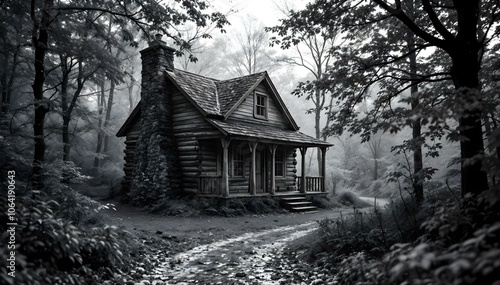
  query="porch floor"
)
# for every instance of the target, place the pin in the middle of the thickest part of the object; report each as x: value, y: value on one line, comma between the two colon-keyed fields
x: 264, y: 194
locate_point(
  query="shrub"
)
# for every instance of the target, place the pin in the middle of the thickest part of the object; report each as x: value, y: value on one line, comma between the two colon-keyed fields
x: 459, y: 244
x: 63, y: 240
x: 351, y: 200
x: 371, y: 232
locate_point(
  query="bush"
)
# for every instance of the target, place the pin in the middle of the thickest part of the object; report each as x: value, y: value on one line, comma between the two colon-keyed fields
x: 63, y: 240
x: 459, y: 244
x: 351, y: 200
x: 371, y: 233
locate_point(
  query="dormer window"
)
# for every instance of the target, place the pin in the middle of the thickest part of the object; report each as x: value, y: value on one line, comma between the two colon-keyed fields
x: 260, y: 106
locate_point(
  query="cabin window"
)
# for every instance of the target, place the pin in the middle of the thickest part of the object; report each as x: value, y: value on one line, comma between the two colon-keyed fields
x: 279, y: 163
x: 260, y: 106
x: 238, y: 162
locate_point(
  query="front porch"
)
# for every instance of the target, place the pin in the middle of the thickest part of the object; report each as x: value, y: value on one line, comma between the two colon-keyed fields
x: 211, y: 186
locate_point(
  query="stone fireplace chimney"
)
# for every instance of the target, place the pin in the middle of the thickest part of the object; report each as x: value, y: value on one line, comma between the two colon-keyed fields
x: 156, y: 174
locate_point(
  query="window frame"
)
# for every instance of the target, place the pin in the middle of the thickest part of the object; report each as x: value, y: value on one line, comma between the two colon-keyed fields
x: 279, y: 163
x: 238, y: 158
x: 257, y: 107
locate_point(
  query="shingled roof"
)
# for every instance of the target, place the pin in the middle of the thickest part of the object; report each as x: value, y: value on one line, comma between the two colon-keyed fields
x: 268, y: 133
x: 232, y: 90
x: 212, y: 96
x: 200, y: 89
x: 216, y: 98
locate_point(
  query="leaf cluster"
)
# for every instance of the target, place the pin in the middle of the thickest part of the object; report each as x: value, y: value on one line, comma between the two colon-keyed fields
x: 458, y: 244
x: 63, y: 241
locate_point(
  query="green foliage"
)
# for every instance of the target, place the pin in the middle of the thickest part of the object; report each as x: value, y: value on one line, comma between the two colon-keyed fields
x: 370, y: 232
x: 458, y: 243
x: 61, y: 239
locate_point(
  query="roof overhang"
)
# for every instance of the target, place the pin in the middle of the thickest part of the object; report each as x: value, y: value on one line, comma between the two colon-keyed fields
x: 136, y: 114
x: 266, y: 134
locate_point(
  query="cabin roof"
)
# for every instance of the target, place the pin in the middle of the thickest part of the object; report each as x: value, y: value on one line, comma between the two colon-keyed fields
x: 212, y: 96
x: 232, y: 90
x: 218, y: 98
x: 199, y: 89
x: 243, y: 130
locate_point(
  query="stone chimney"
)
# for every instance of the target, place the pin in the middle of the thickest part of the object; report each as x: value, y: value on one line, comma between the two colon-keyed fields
x: 158, y: 54
x: 157, y: 172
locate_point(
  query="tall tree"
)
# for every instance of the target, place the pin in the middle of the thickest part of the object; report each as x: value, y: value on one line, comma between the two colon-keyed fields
x: 312, y: 51
x: 145, y: 15
x: 249, y: 51
x: 461, y: 30
x: 41, y: 18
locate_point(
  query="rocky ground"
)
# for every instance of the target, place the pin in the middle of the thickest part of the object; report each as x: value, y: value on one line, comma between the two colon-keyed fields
x: 225, y: 250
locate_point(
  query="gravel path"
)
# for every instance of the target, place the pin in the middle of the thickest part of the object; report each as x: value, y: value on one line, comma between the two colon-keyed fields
x: 245, y: 259
x: 220, y: 250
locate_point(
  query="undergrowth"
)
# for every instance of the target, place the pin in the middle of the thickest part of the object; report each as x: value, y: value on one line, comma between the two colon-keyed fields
x: 61, y: 238
x: 452, y: 242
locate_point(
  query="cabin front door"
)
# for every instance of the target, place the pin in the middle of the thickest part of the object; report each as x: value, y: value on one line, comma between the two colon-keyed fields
x: 260, y: 171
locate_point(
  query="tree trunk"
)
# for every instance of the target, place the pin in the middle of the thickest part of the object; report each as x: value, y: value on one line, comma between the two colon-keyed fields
x: 100, y: 107
x: 40, y: 41
x: 465, y: 74
x: 7, y: 81
x: 418, y: 164
x: 317, y: 124
x: 67, y: 108
x: 64, y: 106
x: 318, y: 136
x: 107, y: 119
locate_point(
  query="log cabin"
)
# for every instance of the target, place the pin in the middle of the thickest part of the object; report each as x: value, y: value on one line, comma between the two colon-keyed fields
x: 224, y: 138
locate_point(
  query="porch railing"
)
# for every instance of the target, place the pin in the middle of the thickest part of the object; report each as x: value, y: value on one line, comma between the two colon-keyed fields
x: 209, y: 184
x: 313, y: 183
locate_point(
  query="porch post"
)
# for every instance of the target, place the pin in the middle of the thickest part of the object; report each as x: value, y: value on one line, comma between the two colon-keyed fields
x: 253, y: 179
x: 225, y: 167
x: 323, y: 168
x: 303, y: 170
x: 273, y: 148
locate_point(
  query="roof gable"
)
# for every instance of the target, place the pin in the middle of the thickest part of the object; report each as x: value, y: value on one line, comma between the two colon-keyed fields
x: 216, y: 98
x: 233, y: 91
x: 266, y: 80
x: 221, y: 97
x: 200, y: 90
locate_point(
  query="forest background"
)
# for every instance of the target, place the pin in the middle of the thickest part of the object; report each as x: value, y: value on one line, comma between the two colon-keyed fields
x: 93, y: 83
x: 407, y: 91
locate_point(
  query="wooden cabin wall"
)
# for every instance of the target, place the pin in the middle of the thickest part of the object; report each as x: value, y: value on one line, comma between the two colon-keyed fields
x: 188, y: 126
x: 240, y: 184
x: 245, y: 112
x: 287, y: 183
x: 130, y: 145
x: 210, y: 157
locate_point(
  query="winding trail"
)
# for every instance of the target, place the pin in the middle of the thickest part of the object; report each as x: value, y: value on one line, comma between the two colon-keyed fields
x: 245, y: 259
x: 235, y: 250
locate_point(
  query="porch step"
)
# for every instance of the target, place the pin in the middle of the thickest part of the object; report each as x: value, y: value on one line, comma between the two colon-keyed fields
x: 304, y: 209
x: 297, y: 203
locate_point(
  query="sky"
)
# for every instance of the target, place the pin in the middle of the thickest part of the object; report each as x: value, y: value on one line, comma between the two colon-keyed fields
x: 265, y: 10
x: 268, y: 12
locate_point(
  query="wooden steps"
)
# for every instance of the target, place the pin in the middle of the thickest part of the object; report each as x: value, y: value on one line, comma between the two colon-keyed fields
x: 297, y: 203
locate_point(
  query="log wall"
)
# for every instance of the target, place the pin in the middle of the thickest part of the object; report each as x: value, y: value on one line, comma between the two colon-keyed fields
x: 130, y: 148
x: 189, y: 125
x: 245, y: 112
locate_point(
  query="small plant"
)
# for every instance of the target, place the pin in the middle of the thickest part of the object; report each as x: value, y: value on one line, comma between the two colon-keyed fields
x: 457, y: 243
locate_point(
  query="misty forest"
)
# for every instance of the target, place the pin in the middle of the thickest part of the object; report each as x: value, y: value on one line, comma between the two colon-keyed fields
x: 401, y: 91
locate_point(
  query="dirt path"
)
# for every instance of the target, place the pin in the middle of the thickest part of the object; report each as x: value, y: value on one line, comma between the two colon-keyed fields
x: 220, y: 250
x: 245, y: 259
